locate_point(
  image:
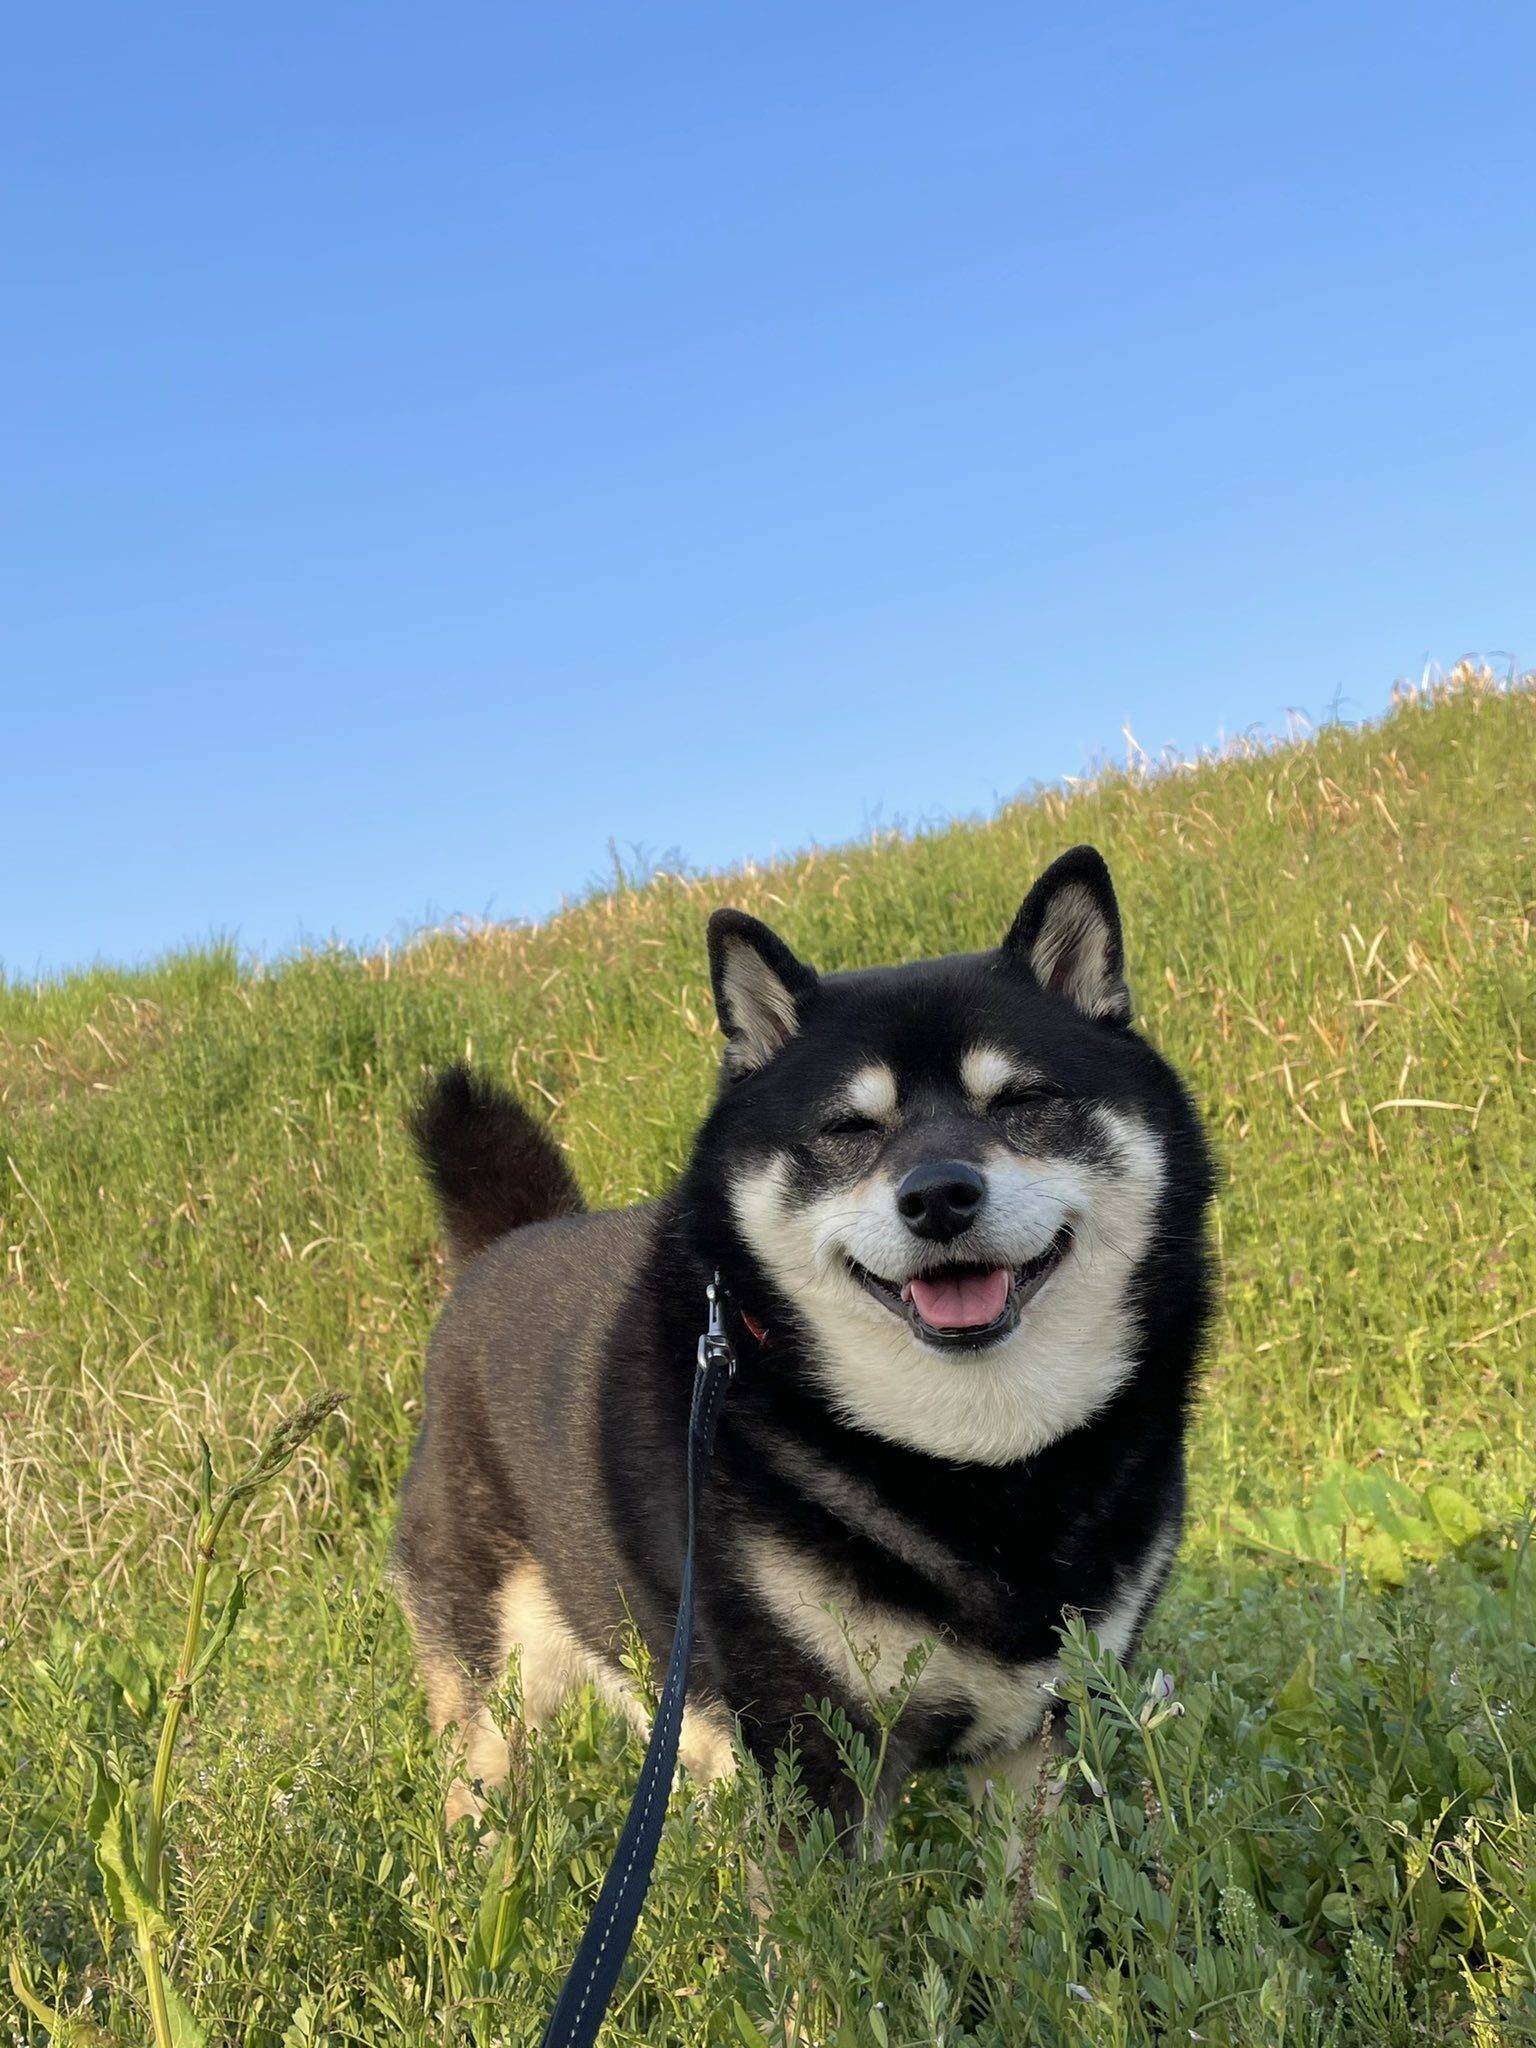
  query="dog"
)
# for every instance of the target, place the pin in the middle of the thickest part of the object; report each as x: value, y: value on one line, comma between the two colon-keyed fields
x: 959, y: 1210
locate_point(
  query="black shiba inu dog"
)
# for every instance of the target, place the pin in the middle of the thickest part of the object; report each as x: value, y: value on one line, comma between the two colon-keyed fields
x: 959, y: 1207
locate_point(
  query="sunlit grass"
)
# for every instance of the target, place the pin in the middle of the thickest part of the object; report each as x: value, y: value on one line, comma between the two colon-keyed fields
x: 210, y: 1212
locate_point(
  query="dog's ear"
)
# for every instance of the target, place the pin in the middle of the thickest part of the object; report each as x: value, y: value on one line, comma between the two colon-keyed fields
x: 1067, y: 933
x: 760, y: 988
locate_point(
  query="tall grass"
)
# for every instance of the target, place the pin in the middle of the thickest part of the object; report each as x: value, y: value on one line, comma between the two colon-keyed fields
x: 209, y: 1213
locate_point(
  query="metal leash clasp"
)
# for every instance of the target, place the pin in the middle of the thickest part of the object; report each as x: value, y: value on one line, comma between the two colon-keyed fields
x: 715, y: 1347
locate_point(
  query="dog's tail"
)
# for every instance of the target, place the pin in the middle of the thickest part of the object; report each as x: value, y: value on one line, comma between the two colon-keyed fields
x: 493, y: 1166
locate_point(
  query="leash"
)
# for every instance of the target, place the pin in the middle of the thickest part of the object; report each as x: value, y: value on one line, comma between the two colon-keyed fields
x: 590, y: 1980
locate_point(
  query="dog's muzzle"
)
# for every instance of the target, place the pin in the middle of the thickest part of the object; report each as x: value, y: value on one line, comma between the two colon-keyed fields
x: 966, y: 1305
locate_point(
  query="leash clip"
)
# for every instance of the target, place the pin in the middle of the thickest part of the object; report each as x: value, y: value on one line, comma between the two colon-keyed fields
x: 715, y: 1347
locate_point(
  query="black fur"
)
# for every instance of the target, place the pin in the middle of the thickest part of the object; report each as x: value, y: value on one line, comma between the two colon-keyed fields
x: 492, y: 1166
x: 560, y: 1372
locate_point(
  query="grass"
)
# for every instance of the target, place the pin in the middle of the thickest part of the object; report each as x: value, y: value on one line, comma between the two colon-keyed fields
x: 210, y: 1215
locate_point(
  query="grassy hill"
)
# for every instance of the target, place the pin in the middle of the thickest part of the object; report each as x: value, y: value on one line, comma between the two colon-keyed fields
x: 210, y: 1214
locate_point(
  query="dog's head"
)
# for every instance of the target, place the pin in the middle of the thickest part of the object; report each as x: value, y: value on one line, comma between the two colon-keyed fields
x: 954, y: 1172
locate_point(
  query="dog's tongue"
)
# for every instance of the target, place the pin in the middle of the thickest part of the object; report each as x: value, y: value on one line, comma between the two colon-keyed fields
x: 961, y: 1301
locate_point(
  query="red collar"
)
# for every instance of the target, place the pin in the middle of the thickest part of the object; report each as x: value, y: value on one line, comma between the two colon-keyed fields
x: 757, y: 1330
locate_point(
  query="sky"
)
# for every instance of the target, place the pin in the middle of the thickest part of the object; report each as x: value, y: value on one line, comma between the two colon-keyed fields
x: 440, y: 442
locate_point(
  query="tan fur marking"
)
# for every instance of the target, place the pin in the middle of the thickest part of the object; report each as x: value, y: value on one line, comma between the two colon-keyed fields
x: 1019, y: 1768
x: 871, y: 1092
x: 985, y: 1070
x: 479, y: 1754
x: 826, y: 1616
x: 552, y: 1662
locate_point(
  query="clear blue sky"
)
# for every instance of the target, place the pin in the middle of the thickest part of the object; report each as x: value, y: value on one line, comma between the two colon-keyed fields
x: 440, y: 439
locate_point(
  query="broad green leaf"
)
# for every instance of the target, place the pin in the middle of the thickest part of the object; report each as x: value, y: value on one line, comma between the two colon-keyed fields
x: 104, y: 1812
x: 1386, y: 1503
x: 1330, y: 1504
x: 129, y: 1897
x: 106, y: 1794
x: 499, y: 1919
x: 1274, y: 2002
x: 301, y: 2028
x: 1401, y: 1495
x: 1382, y: 1557
x: 185, y: 2029
x: 1472, y: 1774
x: 747, y: 2027
x: 1454, y: 1515
x: 1300, y: 1690
x: 131, y: 1675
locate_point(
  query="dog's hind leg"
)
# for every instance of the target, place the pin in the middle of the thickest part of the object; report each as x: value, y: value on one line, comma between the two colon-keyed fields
x: 465, y: 1645
x: 458, y: 1669
x: 481, y: 1758
x: 517, y: 1618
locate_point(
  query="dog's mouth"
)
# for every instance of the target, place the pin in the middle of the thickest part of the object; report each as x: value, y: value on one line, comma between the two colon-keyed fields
x: 966, y: 1306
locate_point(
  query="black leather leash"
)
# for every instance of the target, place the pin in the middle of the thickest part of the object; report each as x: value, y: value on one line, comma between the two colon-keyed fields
x: 590, y: 1980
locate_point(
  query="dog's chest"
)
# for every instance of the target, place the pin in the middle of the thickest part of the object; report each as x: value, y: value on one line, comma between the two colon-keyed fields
x: 996, y: 1702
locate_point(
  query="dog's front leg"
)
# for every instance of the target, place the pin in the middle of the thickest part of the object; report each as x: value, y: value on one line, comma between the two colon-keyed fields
x: 1027, y: 1770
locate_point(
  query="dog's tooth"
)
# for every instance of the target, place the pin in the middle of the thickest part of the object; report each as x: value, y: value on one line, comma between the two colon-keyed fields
x: 906, y: 1290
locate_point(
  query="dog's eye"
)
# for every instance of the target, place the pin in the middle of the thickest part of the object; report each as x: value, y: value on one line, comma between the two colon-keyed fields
x: 1023, y: 1097
x: 850, y: 1127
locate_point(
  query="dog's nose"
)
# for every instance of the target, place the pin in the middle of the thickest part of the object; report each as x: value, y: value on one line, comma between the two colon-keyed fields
x: 940, y: 1199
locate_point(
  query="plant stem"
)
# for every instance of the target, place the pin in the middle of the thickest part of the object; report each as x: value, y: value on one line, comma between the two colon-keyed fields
x: 1157, y: 1778
x: 210, y: 1525
x: 159, y: 2011
x: 209, y: 1528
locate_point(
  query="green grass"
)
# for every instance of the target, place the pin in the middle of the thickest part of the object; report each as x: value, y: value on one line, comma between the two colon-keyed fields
x: 210, y: 1214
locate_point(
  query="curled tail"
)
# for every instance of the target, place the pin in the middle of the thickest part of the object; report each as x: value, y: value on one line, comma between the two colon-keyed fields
x: 492, y: 1166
